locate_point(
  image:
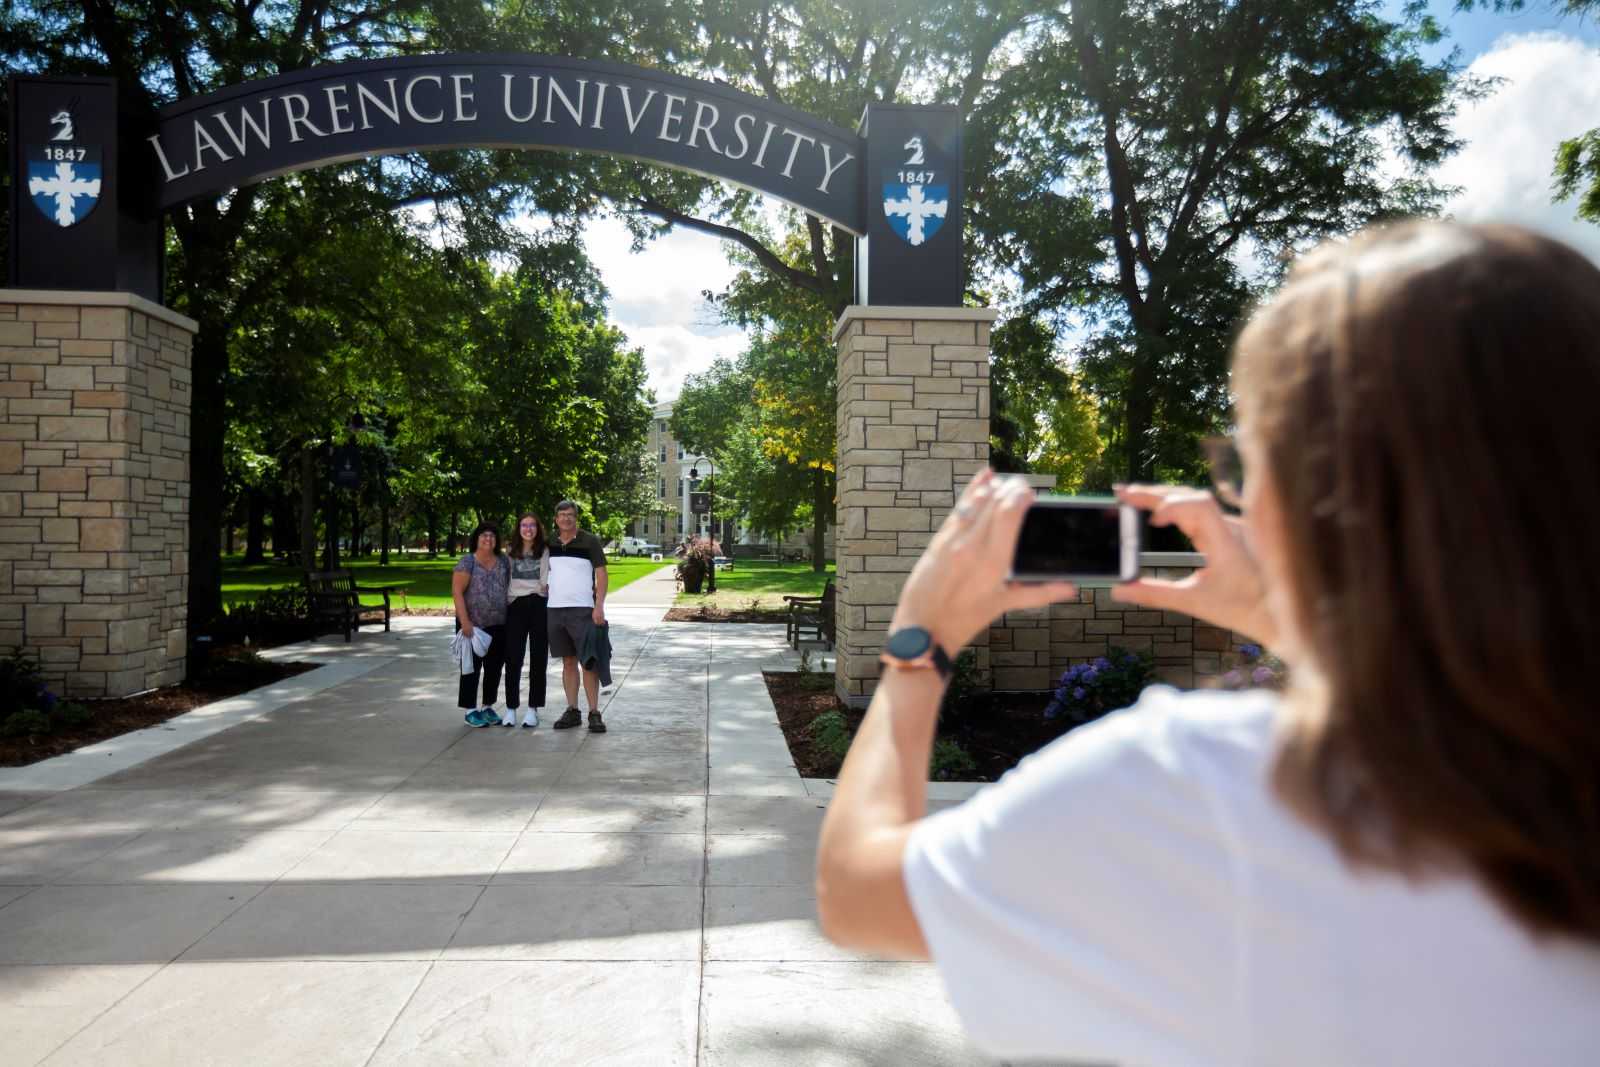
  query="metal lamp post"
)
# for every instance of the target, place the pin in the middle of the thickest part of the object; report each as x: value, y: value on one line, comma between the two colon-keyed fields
x: 711, y: 517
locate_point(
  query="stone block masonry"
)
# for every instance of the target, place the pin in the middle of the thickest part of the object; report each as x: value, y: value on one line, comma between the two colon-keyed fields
x: 913, y: 427
x: 1030, y: 649
x: 94, y: 488
x: 913, y: 424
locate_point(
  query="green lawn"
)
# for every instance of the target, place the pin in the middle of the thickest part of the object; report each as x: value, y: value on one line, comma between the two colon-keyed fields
x: 762, y: 586
x: 426, y: 581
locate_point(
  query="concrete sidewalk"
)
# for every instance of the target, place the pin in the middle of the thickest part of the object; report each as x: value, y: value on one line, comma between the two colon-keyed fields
x: 355, y: 877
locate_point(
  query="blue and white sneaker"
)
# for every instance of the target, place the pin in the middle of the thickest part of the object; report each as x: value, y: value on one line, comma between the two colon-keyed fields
x: 532, y: 717
x: 483, y: 717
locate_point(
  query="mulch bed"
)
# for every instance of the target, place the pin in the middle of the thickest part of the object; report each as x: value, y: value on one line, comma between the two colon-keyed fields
x: 996, y: 730
x: 712, y: 613
x: 113, y: 718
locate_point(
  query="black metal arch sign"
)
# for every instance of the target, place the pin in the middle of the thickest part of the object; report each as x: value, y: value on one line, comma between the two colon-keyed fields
x: 897, y: 188
x: 349, y: 110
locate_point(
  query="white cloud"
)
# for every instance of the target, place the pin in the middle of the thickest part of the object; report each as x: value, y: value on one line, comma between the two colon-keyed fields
x: 656, y: 298
x: 673, y: 351
x: 1550, y: 91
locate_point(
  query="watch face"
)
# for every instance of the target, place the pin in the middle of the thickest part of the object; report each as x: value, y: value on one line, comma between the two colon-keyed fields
x: 909, y: 643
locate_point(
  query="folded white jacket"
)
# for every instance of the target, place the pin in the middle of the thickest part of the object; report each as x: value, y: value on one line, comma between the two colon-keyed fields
x: 462, y: 647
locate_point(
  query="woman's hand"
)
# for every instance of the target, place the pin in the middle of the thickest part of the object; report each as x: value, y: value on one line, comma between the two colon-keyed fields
x: 961, y: 583
x: 458, y: 593
x: 1229, y: 591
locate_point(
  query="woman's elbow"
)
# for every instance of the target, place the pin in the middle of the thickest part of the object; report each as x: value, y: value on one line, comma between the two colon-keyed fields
x: 834, y: 912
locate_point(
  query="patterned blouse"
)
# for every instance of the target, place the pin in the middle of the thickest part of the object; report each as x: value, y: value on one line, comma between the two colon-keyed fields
x: 486, y: 591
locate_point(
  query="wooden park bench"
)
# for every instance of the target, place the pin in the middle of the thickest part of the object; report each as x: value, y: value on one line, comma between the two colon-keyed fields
x: 336, y: 602
x: 811, y: 618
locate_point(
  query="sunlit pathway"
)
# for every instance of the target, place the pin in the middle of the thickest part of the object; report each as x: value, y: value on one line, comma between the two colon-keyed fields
x: 358, y: 878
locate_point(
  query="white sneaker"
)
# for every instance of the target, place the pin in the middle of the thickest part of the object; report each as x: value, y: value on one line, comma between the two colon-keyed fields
x: 532, y: 717
x: 511, y: 717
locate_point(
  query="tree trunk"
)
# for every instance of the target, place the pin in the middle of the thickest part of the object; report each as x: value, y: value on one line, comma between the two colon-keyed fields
x: 821, y: 503
x: 207, y: 422
x: 285, y: 523
x: 308, y: 508
x: 330, y: 522
x: 455, y: 526
x: 355, y: 524
x: 255, y: 527
x: 433, y: 533
x: 1140, y: 420
x: 232, y: 530
x: 383, y: 517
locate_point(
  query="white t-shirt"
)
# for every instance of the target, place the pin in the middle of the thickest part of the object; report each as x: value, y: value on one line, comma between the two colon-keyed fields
x: 572, y: 567
x: 1135, y: 894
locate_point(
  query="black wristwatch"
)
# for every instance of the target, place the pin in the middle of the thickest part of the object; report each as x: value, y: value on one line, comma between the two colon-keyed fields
x: 914, y: 648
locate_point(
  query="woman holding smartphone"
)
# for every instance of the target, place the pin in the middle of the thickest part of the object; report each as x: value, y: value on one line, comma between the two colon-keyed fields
x: 526, y: 626
x: 1396, y: 862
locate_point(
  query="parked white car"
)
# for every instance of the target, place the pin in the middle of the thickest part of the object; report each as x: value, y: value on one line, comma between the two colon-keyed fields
x: 636, y: 546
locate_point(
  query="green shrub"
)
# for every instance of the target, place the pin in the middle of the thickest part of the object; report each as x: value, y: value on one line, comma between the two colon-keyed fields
x: 950, y: 763
x: 27, y: 705
x: 830, y: 732
x: 20, y: 684
x: 69, y: 713
x: 966, y: 692
x: 275, y: 616
x: 25, y: 723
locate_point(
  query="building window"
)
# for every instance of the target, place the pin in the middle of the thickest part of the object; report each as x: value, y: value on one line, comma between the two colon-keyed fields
x: 680, y: 452
x: 680, y: 488
x: 661, y: 491
x: 663, y: 454
x: 680, y: 522
x: 661, y: 426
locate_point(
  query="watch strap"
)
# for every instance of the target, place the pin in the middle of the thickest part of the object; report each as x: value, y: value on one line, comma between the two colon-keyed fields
x: 935, y: 656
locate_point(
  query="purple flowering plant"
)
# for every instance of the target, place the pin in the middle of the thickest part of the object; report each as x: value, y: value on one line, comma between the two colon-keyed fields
x: 1255, y: 668
x: 1088, y: 690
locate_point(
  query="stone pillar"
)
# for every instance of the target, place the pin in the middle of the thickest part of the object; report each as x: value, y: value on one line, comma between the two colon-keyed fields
x: 913, y: 427
x: 94, y: 487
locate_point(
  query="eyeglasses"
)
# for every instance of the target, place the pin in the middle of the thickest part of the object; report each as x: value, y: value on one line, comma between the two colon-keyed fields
x: 1227, y: 469
x: 530, y: 526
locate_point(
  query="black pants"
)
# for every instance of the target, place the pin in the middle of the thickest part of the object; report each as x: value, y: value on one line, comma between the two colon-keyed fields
x: 526, y: 628
x: 488, y: 665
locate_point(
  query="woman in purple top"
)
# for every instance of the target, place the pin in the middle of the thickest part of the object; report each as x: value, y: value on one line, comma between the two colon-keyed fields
x: 479, y: 585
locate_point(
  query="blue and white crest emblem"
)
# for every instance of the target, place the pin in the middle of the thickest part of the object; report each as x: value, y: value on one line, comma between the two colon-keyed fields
x: 915, y: 211
x: 64, y: 181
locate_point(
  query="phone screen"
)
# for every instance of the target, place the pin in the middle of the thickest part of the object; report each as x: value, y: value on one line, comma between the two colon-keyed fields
x: 1078, y: 540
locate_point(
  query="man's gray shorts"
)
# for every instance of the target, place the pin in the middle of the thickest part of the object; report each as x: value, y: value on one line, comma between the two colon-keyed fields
x: 567, y: 627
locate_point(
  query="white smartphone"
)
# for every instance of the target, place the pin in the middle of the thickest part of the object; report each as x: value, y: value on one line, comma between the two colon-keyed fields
x: 1084, y: 539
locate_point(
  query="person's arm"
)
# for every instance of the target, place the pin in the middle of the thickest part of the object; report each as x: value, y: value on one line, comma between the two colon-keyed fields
x: 544, y: 573
x: 459, y: 581
x: 600, y: 581
x: 955, y: 589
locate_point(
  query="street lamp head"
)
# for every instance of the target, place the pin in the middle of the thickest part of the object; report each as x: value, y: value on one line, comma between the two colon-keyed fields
x: 694, y: 472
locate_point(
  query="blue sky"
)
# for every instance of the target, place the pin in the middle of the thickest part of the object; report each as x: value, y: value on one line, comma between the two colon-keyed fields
x: 1475, y: 32
x: 1549, y: 68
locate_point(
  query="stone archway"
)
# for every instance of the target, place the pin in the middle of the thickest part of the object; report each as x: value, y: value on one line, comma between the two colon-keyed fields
x: 94, y: 481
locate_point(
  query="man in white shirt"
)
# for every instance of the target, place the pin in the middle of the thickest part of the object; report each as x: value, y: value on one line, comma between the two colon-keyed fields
x: 577, y: 603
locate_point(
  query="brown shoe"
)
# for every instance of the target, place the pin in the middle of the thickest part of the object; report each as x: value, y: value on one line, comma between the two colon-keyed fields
x: 596, y: 726
x: 569, y: 718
